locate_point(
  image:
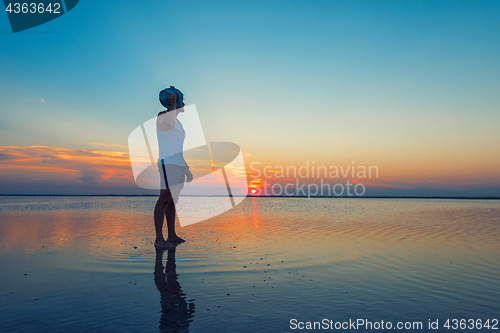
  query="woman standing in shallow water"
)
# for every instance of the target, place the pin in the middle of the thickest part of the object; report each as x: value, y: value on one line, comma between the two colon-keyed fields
x: 171, y: 165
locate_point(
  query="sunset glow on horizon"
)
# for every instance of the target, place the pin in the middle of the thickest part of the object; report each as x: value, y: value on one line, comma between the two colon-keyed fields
x: 77, y: 168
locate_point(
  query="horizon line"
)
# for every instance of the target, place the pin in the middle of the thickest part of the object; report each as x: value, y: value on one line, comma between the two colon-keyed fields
x: 257, y: 196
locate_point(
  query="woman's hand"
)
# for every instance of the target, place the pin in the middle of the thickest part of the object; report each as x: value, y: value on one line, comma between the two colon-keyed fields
x: 172, y: 100
x: 189, y: 175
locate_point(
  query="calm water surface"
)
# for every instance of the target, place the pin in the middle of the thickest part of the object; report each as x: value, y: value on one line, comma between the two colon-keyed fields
x: 85, y: 264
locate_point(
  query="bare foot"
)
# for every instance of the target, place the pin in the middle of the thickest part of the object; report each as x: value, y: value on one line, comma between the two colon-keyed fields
x: 175, y: 239
x: 163, y: 245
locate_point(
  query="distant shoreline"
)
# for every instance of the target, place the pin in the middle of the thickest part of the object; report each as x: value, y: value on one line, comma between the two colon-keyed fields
x: 250, y: 196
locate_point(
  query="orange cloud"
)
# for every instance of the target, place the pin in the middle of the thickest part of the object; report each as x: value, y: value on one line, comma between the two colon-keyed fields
x: 64, y: 164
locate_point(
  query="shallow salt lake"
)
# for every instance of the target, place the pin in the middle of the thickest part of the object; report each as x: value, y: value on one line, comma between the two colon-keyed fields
x: 85, y: 264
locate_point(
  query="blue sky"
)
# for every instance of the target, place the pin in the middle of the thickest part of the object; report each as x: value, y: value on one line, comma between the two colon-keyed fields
x: 279, y: 78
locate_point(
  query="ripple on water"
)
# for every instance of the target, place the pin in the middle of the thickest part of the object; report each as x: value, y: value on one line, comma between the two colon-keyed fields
x: 344, y: 257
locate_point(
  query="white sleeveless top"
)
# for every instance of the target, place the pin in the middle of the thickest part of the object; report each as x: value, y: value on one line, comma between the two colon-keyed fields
x: 171, y: 144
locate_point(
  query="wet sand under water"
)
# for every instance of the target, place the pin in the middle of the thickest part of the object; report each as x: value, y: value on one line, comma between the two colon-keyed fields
x: 88, y: 264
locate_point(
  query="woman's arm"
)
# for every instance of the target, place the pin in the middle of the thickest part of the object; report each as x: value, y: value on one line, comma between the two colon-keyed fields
x: 166, y: 120
x: 189, y: 175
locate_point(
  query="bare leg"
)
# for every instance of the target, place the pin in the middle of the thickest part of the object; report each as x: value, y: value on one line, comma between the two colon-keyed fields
x: 160, y: 208
x: 175, y: 194
x: 170, y: 215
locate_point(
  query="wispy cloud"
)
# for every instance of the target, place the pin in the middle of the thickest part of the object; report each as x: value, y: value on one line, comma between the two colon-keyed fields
x: 408, y: 183
x: 77, y: 170
x: 63, y: 165
x: 108, y: 145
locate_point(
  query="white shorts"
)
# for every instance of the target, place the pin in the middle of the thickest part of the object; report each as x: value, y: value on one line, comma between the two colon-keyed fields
x: 172, y: 176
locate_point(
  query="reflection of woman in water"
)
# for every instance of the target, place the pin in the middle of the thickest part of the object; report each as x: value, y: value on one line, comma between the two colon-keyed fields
x: 176, y: 312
